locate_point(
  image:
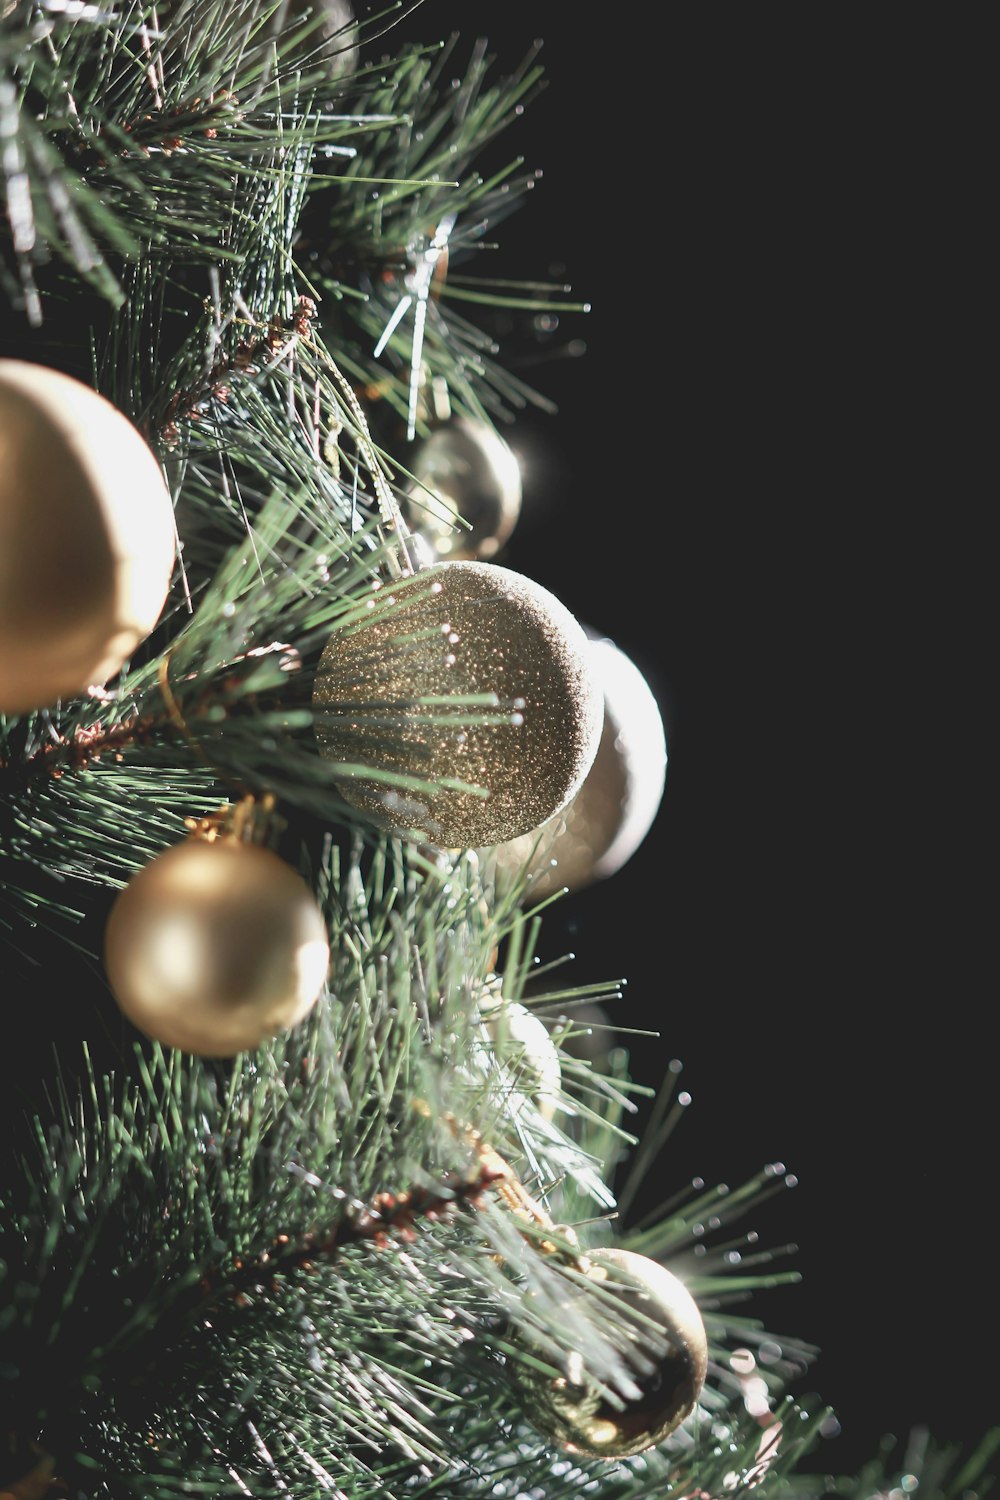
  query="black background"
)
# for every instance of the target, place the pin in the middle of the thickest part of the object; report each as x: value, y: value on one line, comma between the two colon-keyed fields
x: 756, y: 201
x: 760, y: 205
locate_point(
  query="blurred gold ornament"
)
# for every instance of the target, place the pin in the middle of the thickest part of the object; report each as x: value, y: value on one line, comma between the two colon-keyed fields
x: 667, y: 1373
x: 333, y: 38
x: 523, y: 1049
x: 216, y: 945
x: 39, y: 1483
x: 87, y: 537
x: 615, y: 807
x: 464, y: 472
x: 386, y: 692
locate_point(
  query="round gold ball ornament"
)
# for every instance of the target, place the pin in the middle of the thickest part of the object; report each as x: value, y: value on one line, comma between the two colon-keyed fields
x: 469, y: 687
x: 524, y: 1050
x: 216, y: 945
x: 464, y: 471
x: 87, y: 537
x: 615, y: 807
x: 667, y: 1372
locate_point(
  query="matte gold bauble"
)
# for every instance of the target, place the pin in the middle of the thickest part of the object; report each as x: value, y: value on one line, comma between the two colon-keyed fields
x: 385, y: 699
x: 464, y: 470
x: 524, y: 1051
x: 615, y: 807
x: 667, y: 1373
x: 86, y: 537
x: 215, y: 946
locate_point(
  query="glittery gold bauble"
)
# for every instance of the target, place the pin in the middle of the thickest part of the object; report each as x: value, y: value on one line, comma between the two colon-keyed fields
x: 573, y: 1412
x: 524, y: 1051
x: 464, y: 470
x: 86, y: 537
x: 614, y: 809
x: 214, y: 946
x: 385, y: 699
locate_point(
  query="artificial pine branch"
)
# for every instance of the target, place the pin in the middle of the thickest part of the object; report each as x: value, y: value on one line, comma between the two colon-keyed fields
x: 157, y: 1178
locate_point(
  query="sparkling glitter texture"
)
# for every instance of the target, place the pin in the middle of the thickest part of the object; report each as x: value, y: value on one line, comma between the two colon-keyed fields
x: 385, y: 699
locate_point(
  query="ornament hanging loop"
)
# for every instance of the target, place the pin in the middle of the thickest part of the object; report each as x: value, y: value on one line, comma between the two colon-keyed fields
x: 252, y: 820
x: 184, y: 730
x: 174, y: 710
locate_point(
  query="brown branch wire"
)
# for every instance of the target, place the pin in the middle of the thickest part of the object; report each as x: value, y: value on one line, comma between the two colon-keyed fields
x: 395, y: 1214
x: 387, y: 1215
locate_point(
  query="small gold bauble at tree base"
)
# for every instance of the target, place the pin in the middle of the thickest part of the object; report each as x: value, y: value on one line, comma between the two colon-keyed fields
x: 385, y: 691
x: 577, y: 1416
x: 524, y: 1050
x: 615, y: 807
x: 214, y: 946
x: 464, y: 469
x: 87, y: 537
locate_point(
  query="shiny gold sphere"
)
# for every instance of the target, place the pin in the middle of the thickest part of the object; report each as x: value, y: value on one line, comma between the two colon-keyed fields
x: 385, y: 699
x: 615, y: 807
x: 465, y: 470
x: 214, y: 946
x: 575, y: 1414
x: 86, y: 537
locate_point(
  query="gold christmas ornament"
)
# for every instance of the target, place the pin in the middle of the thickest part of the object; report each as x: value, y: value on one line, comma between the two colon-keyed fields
x: 39, y: 1483
x: 214, y: 946
x: 333, y: 39
x: 523, y: 1049
x: 615, y: 807
x: 385, y: 699
x: 87, y: 537
x: 667, y: 1366
x: 465, y: 470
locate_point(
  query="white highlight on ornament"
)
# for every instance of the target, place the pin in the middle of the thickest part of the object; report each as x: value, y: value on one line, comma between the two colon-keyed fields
x: 524, y: 1050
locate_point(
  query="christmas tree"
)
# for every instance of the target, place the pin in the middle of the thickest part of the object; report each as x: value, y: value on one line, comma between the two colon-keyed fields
x: 322, y: 1170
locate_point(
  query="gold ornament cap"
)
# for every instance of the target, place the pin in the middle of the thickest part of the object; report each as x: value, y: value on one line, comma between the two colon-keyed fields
x: 214, y: 946
x: 667, y: 1373
x: 386, y: 697
x: 87, y: 540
